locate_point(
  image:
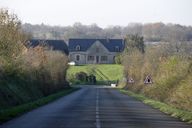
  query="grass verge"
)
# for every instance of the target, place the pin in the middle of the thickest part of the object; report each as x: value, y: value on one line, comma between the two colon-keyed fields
x: 168, y: 109
x: 10, y: 113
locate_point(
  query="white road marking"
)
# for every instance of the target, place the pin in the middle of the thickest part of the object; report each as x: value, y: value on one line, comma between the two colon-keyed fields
x: 98, y: 125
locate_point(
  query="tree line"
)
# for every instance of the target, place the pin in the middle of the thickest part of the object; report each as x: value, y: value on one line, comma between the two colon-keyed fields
x: 151, y: 32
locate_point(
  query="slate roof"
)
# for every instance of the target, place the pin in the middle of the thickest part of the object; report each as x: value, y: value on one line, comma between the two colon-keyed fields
x: 59, y: 45
x: 85, y: 44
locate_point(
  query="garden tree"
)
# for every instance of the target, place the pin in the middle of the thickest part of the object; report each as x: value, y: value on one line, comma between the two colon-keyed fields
x: 11, y: 35
x: 133, y: 42
x: 118, y: 58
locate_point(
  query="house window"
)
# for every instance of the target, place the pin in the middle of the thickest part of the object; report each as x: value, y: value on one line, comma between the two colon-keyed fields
x: 90, y: 58
x: 97, y: 50
x: 78, y: 48
x: 77, y: 57
x: 103, y: 58
x: 117, y: 49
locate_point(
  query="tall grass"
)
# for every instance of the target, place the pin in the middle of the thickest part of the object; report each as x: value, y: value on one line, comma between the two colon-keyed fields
x: 170, y: 72
x: 47, y: 67
x: 26, y: 74
x: 34, y: 74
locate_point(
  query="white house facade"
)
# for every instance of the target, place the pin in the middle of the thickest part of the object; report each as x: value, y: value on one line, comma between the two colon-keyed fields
x: 94, y: 51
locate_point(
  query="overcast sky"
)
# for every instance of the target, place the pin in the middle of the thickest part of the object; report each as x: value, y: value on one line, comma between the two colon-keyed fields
x: 102, y: 12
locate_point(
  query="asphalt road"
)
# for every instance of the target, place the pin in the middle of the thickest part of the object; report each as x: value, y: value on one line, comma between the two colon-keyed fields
x: 95, y: 107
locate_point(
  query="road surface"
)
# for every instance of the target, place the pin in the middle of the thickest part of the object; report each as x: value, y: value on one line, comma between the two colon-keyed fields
x: 95, y: 107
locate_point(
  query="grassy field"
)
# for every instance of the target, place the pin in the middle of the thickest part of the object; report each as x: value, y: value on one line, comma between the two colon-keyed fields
x: 103, y: 72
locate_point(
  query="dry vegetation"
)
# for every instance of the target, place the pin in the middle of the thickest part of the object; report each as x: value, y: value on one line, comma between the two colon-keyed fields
x: 170, y: 69
x: 26, y: 74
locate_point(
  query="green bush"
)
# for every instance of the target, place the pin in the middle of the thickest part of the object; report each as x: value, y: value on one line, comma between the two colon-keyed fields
x: 81, y: 76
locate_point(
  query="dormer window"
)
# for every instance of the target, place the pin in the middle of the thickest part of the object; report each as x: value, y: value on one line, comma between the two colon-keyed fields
x: 117, y: 49
x: 77, y: 48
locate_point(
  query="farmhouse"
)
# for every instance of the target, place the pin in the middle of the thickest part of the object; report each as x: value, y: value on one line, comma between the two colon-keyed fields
x: 94, y: 51
x: 85, y: 51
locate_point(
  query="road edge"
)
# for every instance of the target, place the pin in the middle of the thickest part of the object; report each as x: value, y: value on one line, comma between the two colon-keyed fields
x: 8, y: 114
x: 183, y: 115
